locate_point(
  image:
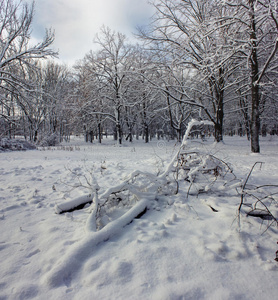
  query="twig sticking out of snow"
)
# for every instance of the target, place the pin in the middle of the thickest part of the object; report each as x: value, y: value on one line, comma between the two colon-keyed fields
x: 262, y: 200
x: 245, y: 182
x: 91, y: 184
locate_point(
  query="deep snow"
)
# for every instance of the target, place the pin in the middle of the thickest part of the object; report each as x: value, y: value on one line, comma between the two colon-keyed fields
x: 180, y: 249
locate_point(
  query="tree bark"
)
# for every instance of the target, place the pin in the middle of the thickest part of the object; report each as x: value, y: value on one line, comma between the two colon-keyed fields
x: 99, y: 132
x: 146, y: 132
x: 255, y: 96
x: 118, y: 127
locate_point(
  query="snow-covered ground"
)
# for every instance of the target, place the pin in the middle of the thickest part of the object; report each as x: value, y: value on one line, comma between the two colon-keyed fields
x: 179, y: 249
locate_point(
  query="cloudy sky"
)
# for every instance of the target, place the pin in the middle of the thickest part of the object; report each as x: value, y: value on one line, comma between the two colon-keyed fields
x: 77, y: 21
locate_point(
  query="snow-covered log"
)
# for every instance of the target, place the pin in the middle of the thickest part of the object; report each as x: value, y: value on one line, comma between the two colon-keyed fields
x: 72, y: 204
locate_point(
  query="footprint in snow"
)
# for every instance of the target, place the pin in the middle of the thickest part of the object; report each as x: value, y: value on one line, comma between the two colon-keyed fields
x: 33, y: 253
x: 8, y: 208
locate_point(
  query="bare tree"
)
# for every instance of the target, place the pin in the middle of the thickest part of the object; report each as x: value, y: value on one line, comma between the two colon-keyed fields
x: 186, y: 35
x: 56, y: 89
x: 147, y: 99
x: 17, y: 55
x: 112, y: 65
x: 93, y: 110
x: 255, y: 44
x: 106, y: 72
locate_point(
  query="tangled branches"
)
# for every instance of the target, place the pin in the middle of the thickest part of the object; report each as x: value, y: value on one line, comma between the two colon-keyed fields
x: 205, y: 172
x: 259, y: 201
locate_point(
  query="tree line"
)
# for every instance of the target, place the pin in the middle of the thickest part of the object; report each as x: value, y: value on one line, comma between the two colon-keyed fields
x: 209, y: 60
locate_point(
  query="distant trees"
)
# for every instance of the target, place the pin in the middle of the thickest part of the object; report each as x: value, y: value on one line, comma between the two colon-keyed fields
x: 112, y: 88
x: 209, y: 59
x: 107, y: 69
x: 45, y: 107
x: 147, y: 101
x: 56, y: 87
x: 93, y: 111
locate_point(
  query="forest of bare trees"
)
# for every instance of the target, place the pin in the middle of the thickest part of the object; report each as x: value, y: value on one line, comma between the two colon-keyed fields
x: 205, y: 59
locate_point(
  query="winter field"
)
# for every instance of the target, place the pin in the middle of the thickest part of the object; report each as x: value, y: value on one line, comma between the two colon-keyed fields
x: 186, y: 245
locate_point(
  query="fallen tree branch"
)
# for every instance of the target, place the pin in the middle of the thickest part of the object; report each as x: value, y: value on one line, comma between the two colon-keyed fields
x: 71, y: 205
x: 67, y: 268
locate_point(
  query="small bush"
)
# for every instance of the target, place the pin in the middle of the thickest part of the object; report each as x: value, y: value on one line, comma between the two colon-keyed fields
x: 51, y: 140
x: 7, y: 144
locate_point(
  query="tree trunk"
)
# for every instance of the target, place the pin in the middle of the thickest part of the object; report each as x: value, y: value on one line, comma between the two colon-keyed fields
x: 35, y: 135
x: 255, y: 97
x: 91, y: 136
x: 146, y: 132
x: 145, y: 125
x: 218, y: 131
x: 118, y: 126
x: 179, y: 135
x: 219, y: 90
x: 119, y: 133
x: 99, y: 132
x: 218, y: 125
x: 244, y: 106
x: 129, y: 136
x: 255, y: 120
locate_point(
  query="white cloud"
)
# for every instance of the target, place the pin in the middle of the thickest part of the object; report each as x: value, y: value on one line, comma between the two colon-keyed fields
x: 77, y: 21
